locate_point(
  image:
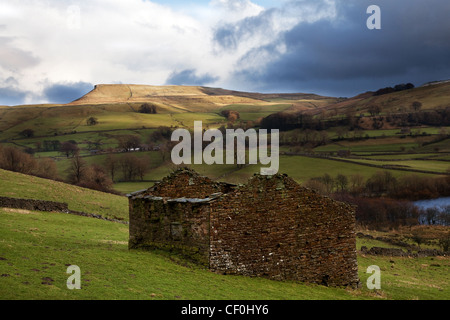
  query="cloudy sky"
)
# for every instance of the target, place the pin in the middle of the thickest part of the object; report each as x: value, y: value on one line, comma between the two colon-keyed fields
x: 54, y: 51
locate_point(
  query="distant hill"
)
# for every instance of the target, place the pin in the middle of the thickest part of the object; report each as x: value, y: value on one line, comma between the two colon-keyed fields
x: 116, y: 106
x: 187, y: 98
x: 116, y: 93
x: 434, y: 95
x: 435, y: 82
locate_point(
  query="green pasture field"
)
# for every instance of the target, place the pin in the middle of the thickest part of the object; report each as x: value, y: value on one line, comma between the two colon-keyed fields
x: 361, y: 148
x: 442, y: 146
x: 302, y: 168
x: 253, y: 116
x: 251, y: 108
x: 404, y: 156
x: 128, y: 120
x: 129, y: 187
x: 37, y: 247
x: 425, y: 165
x: 107, y: 139
x: 48, y: 121
x: 187, y: 119
x: 444, y: 157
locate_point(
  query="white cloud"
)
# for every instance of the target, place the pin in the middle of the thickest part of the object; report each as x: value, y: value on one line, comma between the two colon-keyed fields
x: 97, y: 41
x: 235, y: 10
x: 131, y: 41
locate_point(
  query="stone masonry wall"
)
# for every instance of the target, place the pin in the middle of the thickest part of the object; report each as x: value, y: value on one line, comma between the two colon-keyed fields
x: 187, y: 183
x: 179, y: 226
x: 272, y: 227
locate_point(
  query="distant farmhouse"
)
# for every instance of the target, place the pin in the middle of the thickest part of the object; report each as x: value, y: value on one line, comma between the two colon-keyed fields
x: 269, y: 227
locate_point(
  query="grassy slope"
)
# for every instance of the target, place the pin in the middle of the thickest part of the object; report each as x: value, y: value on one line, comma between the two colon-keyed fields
x: 426, y: 165
x: 431, y: 97
x: 18, y: 185
x: 37, y: 247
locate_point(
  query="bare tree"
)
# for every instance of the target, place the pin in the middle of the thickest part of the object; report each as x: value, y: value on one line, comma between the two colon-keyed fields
x: 112, y: 165
x: 128, y: 166
x: 374, y: 110
x: 96, y: 178
x: 341, y: 182
x: 134, y: 167
x: 142, y: 166
x: 13, y: 159
x: 416, y: 105
x: 147, y: 108
x: 356, y: 183
x: 69, y: 148
x: 328, y: 181
x: 77, y: 169
x: 92, y: 121
x: 27, y: 133
x: 46, y: 168
x: 129, y: 142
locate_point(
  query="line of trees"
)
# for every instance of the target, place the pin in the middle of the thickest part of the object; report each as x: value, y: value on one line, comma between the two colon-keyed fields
x: 116, y: 167
x: 384, y: 201
x: 304, y: 138
x: 93, y: 176
x: 289, y: 121
x: 14, y: 159
x: 129, y: 165
x: 147, y: 108
x: 382, y: 213
x: 396, y: 88
x: 383, y: 183
x: 230, y: 115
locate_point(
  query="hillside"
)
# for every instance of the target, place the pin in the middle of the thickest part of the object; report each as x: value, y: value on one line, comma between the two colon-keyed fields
x: 117, y: 105
x: 434, y: 95
x: 179, y: 95
x: 115, y: 108
x: 17, y: 185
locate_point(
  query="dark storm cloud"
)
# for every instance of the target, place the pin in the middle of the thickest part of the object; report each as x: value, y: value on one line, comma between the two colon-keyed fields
x: 344, y: 57
x: 189, y: 77
x: 11, y: 96
x: 66, y: 92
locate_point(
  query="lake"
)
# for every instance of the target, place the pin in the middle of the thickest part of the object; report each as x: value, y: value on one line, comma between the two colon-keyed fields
x: 439, y: 203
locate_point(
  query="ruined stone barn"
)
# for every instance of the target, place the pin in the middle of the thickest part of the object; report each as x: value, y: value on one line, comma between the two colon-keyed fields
x: 269, y: 227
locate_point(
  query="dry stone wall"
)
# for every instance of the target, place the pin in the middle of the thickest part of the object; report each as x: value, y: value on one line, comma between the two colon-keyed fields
x: 31, y: 204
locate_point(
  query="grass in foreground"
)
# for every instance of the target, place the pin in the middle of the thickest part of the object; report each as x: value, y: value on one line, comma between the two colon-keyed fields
x: 37, y: 247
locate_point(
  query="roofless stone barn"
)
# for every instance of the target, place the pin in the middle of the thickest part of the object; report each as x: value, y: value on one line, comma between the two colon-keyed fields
x: 269, y: 227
